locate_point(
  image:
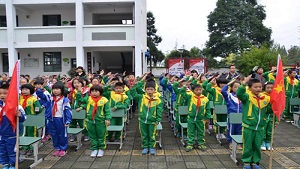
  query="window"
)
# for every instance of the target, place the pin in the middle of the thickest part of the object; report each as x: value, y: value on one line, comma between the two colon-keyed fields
x: 52, y: 61
x: 73, y: 63
x: 51, y: 20
x: 5, y: 62
x: 3, y: 21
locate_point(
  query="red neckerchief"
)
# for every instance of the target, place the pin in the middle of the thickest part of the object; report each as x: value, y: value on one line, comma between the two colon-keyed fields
x: 199, y: 101
x: 55, y: 99
x: 258, y: 99
x: 1, y: 113
x: 95, y: 105
x: 149, y: 102
x: 131, y: 83
x: 292, y: 80
x: 24, y: 104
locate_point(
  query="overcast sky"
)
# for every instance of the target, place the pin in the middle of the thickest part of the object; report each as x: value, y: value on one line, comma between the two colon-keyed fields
x: 185, y: 22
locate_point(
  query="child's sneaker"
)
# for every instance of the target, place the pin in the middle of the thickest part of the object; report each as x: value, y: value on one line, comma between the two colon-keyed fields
x: 268, y: 146
x: 202, y: 147
x: 247, y: 166
x: 188, y: 148
x: 6, y: 166
x: 100, y: 153
x: 56, y: 153
x: 240, y: 147
x: 94, y: 153
x: 62, y: 153
x: 230, y: 146
x: 263, y: 146
x: 86, y: 138
x: 152, y: 151
x: 72, y: 139
x: 145, y: 151
x: 46, y: 138
x: 255, y: 166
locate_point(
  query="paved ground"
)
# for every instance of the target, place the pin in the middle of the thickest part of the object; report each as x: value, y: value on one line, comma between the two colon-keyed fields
x: 173, y: 155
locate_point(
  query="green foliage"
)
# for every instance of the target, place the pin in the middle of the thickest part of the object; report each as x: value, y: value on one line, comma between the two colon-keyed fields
x: 235, y: 26
x: 264, y: 57
x: 294, y: 55
x: 153, y: 39
x: 72, y: 72
x: 195, y: 52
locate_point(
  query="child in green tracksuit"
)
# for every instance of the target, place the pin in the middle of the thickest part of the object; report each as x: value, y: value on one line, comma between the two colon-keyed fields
x: 199, y: 111
x: 268, y: 87
x: 118, y: 100
x: 32, y: 106
x: 214, y: 88
x: 254, y: 109
x: 97, y: 119
x: 150, y: 108
x: 291, y: 85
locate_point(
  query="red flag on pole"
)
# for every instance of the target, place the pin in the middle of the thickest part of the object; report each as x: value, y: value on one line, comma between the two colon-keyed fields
x: 12, y: 101
x: 278, y: 94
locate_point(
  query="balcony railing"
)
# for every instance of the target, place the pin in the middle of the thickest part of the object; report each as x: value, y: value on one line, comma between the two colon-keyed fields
x: 3, y: 38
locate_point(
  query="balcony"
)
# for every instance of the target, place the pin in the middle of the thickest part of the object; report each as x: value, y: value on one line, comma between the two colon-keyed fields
x: 3, y: 39
x: 108, y: 35
x: 50, y: 36
x: 42, y: 1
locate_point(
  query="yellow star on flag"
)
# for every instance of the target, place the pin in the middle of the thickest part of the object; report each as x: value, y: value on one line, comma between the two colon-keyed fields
x: 279, y: 88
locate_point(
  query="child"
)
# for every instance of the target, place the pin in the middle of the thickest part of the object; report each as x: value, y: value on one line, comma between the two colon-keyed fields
x: 7, y: 135
x: 254, y: 109
x: 32, y: 107
x: 59, y: 115
x: 268, y: 87
x: 97, y: 119
x: 199, y: 111
x: 234, y: 105
x: 118, y: 100
x: 150, y: 107
x: 78, y: 95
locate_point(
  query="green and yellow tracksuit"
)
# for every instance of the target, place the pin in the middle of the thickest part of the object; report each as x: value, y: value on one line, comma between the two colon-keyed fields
x: 218, y: 99
x: 150, y: 113
x: 269, y: 76
x: 32, y: 106
x: 291, y: 86
x: 199, y: 111
x: 180, y: 101
x: 77, y: 98
x: 117, y: 101
x: 98, y: 110
x: 254, y: 111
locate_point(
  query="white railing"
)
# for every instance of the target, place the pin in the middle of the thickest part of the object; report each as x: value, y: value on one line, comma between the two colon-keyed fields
x: 3, y: 37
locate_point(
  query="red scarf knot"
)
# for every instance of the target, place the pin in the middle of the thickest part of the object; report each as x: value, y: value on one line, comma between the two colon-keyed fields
x: 96, y: 100
x: 24, y: 104
x: 56, y: 100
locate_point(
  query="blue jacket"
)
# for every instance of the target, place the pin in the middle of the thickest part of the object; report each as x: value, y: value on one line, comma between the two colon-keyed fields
x: 161, y: 83
x: 67, y: 111
x: 6, y: 129
x: 234, y: 105
x: 170, y: 88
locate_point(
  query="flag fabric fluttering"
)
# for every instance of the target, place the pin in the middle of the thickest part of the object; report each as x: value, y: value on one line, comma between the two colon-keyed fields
x: 278, y: 94
x: 12, y: 101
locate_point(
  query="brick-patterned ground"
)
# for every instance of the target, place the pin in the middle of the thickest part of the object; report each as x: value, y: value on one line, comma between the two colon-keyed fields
x: 173, y: 155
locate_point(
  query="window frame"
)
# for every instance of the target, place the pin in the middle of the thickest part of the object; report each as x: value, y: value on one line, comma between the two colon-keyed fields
x: 57, y: 67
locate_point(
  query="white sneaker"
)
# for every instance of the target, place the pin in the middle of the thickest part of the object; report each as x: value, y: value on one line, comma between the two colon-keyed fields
x: 94, y: 153
x: 223, y: 136
x: 263, y: 148
x: 100, y: 153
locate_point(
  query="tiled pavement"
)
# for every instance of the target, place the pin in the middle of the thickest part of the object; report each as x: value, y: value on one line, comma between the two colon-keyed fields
x: 173, y: 155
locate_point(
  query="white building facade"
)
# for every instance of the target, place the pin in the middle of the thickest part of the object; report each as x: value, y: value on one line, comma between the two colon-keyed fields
x: 53, y: 36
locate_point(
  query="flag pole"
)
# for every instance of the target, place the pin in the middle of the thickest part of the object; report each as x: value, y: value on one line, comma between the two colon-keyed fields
x: 17, y: 141
x: 272, y: 140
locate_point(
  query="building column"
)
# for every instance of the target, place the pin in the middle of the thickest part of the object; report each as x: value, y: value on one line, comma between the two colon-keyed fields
x: 11, y: 24
x: 138, y: 44
x: 80, y: 61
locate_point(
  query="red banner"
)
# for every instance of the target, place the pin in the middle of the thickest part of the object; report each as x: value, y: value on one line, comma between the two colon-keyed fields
x: 175, y: 66
x: 197, y: 64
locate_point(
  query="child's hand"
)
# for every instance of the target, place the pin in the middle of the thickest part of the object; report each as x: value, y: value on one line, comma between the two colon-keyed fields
x: 18, y: 113
x: 67, y: 125
x: 246, y: 80
x: 107, y: 122
x: 113, y: 109
x: 78, y: 109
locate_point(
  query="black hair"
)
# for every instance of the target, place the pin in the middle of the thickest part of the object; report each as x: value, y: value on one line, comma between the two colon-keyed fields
x: 115, y: 79
x: 150, y: 83
x: 222, y: 81
x: 231, y: 66
x: 95, y: 78
x: 27, y: 75
x: 79, y: 67
x: 196, y: 86
x: 231, y: 85
x: 149, y: 76
x: 97, y: 88
x: 28, y: 86
x: 84, y: 79
x: 194, y: 71
x: 39, y: 81
x: 60, y: 85
x: 27, y: 80
x: 252, y: 81
x: 267, y: 83
x: 79, y: 80
x: 119, y: 84
x: 4, y: 86
x: 290, y: 71
x: 22, y: 76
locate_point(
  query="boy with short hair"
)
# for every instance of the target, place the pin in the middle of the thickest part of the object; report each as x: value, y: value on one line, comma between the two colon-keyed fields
x: 7, y: 134
x: 150, y: 108
x: 255, y: 106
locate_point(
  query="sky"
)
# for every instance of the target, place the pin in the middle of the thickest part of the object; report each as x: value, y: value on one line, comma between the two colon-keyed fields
x: 185, y: 22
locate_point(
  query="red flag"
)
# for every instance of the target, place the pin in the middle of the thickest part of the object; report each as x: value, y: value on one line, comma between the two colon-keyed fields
x: 12, y: 101
x: 278, y: 94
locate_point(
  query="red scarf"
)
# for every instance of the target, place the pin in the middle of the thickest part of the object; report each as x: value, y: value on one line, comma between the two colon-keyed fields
x: 149, y: 103
x: 55, y: 99
x: 24, y: 104
x: 292, y: 80
x: 95, y: 105
x: 258, y: 98
x: 1, y: 113
x: 199, y: 101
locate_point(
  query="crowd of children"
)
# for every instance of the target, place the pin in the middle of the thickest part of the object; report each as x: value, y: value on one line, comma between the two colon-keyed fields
x: 100, y: 95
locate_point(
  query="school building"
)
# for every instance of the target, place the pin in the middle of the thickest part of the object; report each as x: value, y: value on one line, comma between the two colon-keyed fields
x: 53, y: 36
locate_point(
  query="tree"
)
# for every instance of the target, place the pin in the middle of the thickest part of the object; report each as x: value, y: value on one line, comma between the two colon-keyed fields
x: 293, y: 55
x: 153, y: 39
x: 236, y: 26
x: 195, y: 52
x: 263, y: 56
